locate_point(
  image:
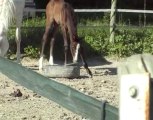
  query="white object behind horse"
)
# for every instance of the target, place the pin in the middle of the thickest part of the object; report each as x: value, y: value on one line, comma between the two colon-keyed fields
x: 10, y: 10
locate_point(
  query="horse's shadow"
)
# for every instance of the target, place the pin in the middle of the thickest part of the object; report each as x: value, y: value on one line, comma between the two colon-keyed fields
x: 106, y: 71
x: 97, y: 61
x: 100, y: 67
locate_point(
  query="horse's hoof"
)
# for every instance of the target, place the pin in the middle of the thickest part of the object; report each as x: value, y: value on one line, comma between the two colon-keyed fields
x: 90, y: 73
x: 90, y: 76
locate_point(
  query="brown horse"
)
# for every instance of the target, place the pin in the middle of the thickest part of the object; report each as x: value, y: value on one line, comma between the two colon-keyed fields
x: 60, y: 13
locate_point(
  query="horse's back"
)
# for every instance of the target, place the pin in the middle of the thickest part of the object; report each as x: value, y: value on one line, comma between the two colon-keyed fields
x: 60, y: 11
x: 54, y: 8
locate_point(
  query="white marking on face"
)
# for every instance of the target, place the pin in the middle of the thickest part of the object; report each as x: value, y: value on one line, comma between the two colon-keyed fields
x: 76, y: 53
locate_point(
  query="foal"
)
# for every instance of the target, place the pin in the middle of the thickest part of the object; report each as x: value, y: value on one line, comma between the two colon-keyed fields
x: 60, y: 13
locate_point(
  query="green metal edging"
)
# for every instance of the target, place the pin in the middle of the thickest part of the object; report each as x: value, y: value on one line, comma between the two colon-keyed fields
x: 64, y: 95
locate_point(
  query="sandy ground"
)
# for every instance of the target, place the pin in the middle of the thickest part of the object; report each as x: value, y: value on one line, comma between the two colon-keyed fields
x: 30, y: 106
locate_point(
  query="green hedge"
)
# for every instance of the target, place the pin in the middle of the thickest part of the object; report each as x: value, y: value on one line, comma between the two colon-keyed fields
x: 95, y: 39
x: 127, y: 41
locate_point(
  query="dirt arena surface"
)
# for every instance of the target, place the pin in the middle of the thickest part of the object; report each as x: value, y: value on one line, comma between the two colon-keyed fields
x: 30, y: 106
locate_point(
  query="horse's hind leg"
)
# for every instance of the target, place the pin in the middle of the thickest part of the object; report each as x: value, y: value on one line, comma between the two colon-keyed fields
x: 4, y: 45
x: 53, y: 32
x: 18, y: 37
x: 44, y: 40
x: 49, y: 32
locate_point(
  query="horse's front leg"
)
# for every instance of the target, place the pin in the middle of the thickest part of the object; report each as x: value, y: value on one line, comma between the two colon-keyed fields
x: 65, y: 44
x: 75, y: 46
x: 18, y: 19
x: 51, y: 60
x: 76, y: 49
x: 18, y: 41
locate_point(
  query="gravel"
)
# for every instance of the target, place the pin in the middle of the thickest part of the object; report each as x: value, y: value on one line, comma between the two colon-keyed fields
x: 30, y: 106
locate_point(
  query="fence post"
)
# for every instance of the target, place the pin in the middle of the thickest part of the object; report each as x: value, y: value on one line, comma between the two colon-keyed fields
x: 112, y: 20
x: 136, y: 98
x: 144, y: 14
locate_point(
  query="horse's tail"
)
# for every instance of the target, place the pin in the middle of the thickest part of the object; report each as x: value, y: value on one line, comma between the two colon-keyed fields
x: 7, y: 12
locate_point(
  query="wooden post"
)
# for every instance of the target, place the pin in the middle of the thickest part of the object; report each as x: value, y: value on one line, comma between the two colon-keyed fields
x: 144, y: 13
x: 136, y: 87
x: 135, y: 97
x: 112, y: 20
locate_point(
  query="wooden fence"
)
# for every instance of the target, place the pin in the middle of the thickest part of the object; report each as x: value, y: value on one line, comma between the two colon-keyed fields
x: 97, y: 10
x: 112, y: 12
x: 65, y: 96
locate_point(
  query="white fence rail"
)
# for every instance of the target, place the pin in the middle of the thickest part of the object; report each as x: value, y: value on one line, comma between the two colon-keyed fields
x: 95, y: 10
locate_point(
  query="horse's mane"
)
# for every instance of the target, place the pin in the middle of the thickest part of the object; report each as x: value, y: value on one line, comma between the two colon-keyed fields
x: 7, y: 13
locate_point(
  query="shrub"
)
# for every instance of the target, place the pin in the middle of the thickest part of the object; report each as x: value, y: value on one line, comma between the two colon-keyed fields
x: 32, y: 52
x: 95, y: 39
